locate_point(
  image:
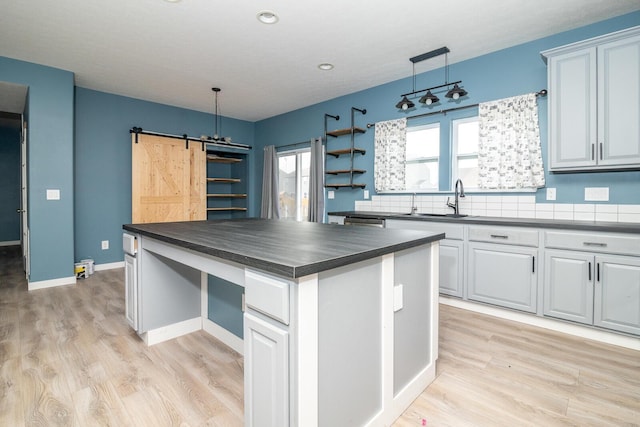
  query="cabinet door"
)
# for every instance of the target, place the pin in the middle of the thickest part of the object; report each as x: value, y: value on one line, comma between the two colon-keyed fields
x: 568, y: 286
x: 619, y: 102
x: 451, y: 271
x: 503, y: 275
x: 617, y: 293
x: 131, y: 290
x: 266, y: 375
x: 572, y: 110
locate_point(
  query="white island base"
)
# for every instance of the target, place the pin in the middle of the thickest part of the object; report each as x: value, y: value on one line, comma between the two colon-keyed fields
x: 349, y: 346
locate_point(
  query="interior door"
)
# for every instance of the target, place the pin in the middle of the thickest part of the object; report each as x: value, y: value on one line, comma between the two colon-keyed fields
x: 168, y: 180
x: 24, y: 224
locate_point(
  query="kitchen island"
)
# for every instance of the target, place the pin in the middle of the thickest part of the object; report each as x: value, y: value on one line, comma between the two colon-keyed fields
x: 340, y: 325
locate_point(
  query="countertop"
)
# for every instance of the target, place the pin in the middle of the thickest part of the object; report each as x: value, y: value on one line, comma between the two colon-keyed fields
x: 616, y: 227
x: 286, y: 248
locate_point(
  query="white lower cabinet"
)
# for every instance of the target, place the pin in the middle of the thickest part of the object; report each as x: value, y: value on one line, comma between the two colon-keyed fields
x: 266, y: 364
x: 568, y: 285
x: 503, y: 275
x: 617, y: 293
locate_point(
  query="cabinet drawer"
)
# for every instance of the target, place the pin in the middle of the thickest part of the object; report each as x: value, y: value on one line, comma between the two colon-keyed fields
x: 268, y: 295
x: 452, y: 231
x: 504, y: 235
x: 596, y: 242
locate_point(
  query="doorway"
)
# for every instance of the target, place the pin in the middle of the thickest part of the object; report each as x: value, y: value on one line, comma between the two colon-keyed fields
x: 13, y: 169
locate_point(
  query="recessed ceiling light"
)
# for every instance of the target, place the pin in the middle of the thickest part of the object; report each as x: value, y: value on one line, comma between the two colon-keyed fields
x: 267, y: 17
x: 326, y: 66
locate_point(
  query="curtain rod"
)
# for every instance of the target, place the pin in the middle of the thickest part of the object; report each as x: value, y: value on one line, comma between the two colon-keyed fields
x: 186, y: 138
x: 542, y: 92
x: 296, y: 143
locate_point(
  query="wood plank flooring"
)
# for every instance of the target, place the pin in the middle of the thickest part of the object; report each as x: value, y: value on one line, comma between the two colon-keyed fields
x: 69, y: 359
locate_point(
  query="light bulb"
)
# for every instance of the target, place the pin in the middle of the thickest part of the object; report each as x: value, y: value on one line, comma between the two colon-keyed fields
x: 428, y: 101
x: 456, y: 95
x: 405, y: 106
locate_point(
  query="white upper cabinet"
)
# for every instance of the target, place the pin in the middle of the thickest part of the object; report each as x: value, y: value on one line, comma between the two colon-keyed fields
x: 594, y: 103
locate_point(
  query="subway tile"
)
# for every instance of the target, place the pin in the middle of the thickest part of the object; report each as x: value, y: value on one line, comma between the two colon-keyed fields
x: 494, y: 212
x: 479, y: 199
x: 563, y: 215
x: 584, y: 207
x: 526, y: 199
x: 563, y: 207
x: 544, y: 207
x: 628, y: 209
x: 494, y: 199
x: 526, y: 214
x: 606, y: 209
x: 584, y: 216
x: 510, y: 213
x: 629, y: 217
x: 526, y: 207
x: 605, y: 216
x: 478, y: 211
x: 509, y: 206
x: 544, y: 214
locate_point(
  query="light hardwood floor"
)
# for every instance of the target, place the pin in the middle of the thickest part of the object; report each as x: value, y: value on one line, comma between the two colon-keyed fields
x: 69, y: 359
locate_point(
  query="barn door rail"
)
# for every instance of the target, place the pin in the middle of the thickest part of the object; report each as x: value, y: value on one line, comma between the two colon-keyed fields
x: 204, y: 140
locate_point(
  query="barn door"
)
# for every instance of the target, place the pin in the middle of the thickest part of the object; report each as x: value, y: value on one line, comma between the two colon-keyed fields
x: 168, y: 180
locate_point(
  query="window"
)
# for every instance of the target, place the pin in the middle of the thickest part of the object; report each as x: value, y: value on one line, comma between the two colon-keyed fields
x: 422, y: 155
x: 293, y: 184
x: 464, y: 156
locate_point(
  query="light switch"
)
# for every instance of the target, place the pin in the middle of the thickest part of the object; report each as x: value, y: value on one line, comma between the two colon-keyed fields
x: 53, y: 194
x: 366, y: 194
x: 596, y: 194
x: 331, y: 194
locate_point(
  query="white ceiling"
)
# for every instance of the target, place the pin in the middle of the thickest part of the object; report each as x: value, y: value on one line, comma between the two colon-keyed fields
x: 173, y: 53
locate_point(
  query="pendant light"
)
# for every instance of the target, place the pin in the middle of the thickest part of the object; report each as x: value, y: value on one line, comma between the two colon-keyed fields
x: 218, y: 121
x: 429, y: 98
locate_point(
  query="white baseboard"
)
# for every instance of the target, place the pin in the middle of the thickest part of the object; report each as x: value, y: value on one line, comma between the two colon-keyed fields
x: 109, y: 266
x: 546, y: 323
x: 10, y: 243
x: 42, y: 284
x: 223, y: 335
x: 170, y: 332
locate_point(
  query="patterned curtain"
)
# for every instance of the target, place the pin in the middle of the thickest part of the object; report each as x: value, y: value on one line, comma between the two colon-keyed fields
x: 509, y: 151
x: 390, y: 154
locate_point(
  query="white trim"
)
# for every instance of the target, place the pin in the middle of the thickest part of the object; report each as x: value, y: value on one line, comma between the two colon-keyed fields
x: 307, y: 355
x: 42, y: 284
x: 109, y: 266
x: 10, y: 243
x: 172, y: 331
x: 546, y: 323
x: 386, y: 417
x: 223, y: 335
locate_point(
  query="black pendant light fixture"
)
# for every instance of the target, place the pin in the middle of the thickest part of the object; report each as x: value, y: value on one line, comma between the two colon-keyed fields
x: 217, y: 121
x: 429, y: 98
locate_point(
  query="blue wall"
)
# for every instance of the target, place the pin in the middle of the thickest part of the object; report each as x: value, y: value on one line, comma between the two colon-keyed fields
x: 9, y: 183
x: 50, y: 156
x: 509, y: 72
x: 103, y: 161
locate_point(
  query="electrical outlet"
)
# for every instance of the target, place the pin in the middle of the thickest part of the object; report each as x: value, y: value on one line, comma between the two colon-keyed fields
x: 331, y: 194
x: 551, y: 193
x: 105, y: 245
x: 366, y: 194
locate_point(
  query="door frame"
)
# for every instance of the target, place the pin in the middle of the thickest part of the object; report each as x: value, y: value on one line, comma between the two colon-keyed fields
x: 24, y: 220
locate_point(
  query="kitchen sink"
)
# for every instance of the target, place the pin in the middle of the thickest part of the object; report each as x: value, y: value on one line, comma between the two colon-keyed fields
x: 436, y: 215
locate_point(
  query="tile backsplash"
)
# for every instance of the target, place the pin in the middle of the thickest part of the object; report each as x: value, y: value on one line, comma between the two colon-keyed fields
x: 503, y: 206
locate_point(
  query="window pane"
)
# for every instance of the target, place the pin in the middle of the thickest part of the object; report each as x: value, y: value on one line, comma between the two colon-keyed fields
x: 423, y: 175
x: 468, y: 172
x: 424, y: 142
x: 468, y: 132
x: 287, y: 185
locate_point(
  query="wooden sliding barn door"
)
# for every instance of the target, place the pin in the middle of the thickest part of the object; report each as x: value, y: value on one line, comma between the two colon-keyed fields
x: 168, y: 180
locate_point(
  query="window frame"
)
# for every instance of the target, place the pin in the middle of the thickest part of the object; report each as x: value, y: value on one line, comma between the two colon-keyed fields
x: 425, y: 160
x: 455, y: 157
x: 298, y: 152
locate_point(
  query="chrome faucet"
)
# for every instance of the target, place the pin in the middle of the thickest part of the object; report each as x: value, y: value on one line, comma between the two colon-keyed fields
x: 414, y: 207
x: 459, y: 192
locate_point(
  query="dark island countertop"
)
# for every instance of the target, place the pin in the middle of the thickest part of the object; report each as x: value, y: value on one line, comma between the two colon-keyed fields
x: 604, y: 226
x: 286, y: 248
